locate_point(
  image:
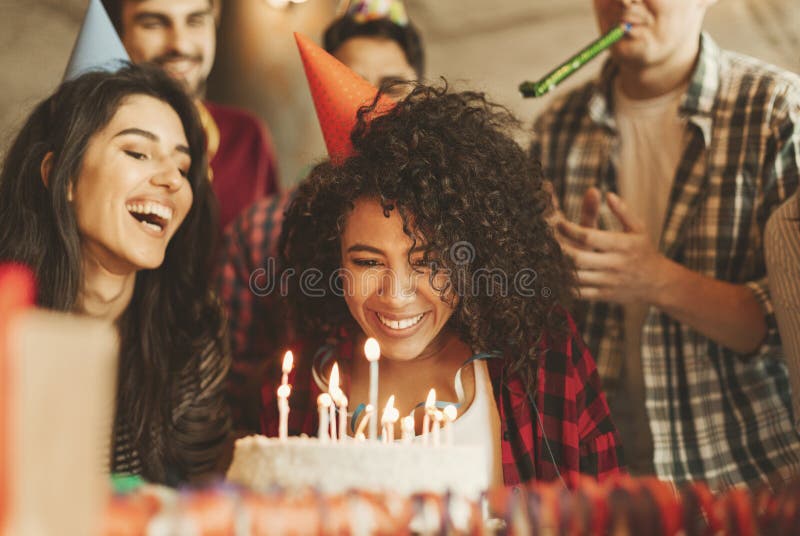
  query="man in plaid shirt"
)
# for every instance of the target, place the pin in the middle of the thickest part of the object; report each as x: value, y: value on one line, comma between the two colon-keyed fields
x: 702, y: 144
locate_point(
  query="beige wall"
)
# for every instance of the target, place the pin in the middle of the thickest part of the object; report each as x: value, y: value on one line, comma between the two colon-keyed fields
x: 489, y: 45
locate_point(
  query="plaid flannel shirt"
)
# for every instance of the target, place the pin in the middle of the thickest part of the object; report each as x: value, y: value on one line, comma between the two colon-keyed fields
x: 572, y: 411
x: 249, y: 288
x: 714, y: 414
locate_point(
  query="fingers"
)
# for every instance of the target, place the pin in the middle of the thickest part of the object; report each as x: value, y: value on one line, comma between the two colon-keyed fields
x: 591, y: 260
x: 593, y: 294
x: 630, y: 222
x: 590, y: 208
x: 592, y: 238
x: 596, y: 278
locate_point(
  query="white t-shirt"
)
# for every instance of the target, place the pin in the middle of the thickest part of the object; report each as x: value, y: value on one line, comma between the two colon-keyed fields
x: 480, y: 424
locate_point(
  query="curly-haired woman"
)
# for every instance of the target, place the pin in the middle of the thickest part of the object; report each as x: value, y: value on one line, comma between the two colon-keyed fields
x: 104, y: 194
x: 432, y: 239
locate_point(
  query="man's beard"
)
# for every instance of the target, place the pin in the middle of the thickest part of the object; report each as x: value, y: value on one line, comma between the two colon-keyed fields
x: 195, y: 89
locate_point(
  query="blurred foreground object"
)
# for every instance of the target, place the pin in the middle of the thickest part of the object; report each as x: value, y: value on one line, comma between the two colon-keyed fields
x: 57, y: 383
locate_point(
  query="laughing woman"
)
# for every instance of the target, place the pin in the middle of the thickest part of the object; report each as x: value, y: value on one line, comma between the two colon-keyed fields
x: 432, y: 239
x: 104, y: 194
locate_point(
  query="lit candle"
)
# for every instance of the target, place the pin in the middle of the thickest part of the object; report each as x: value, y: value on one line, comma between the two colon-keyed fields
x: 373, y: 352
x: 288, y: 362
x: 387, y: 425
x: 323, y: 405
x: 368, y: 411
x: 283, y: 411
x: 438, y: 417
x: 394, y: 416
x: 333, y: 391
x: 341, y: 403
x: 430, y: 407
x: 450, y: 414
x: 407, y: 425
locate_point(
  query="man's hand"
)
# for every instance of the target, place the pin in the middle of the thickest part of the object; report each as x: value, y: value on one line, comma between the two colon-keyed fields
x: 590, y: 213
x: 621, y: 267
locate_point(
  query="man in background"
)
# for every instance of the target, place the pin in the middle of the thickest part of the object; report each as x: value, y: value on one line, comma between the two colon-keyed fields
x: 694, y: 146
x: 180, y: 36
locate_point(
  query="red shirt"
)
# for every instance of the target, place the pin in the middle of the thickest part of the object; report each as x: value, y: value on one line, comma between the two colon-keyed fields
x: 572, y: 412
x: 244, y: 165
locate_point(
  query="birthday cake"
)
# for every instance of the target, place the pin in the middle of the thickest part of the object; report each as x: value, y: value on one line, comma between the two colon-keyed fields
x: 262, y: 464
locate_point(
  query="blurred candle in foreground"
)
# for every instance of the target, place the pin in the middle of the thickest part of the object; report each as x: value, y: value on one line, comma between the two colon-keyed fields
x: 450, y: 413
x: 323, y: 405
x: 430, y: 407
x: 373, y: 352
x: 283, y: 411
x: 288, y: 363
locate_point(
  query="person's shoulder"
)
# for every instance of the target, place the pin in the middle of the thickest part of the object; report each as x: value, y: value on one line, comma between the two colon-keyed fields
x: 747, y: 73
x: 231, y: 116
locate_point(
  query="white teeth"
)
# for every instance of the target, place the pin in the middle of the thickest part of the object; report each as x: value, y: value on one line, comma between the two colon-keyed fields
x: 400, y: 324
x: 150, y: 207
x: 152, y: 226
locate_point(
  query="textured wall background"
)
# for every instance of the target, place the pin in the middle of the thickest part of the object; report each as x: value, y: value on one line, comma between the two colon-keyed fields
x: 474, y: 43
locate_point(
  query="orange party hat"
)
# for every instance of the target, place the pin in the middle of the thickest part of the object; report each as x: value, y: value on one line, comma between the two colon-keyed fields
x: 338, y: 93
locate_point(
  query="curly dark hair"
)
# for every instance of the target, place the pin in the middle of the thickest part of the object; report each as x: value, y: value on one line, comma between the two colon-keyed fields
x: 448, y: 163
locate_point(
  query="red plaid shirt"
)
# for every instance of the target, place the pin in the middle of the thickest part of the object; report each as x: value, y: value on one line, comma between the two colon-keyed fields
x: 574, y: 417
x: 255, y: 316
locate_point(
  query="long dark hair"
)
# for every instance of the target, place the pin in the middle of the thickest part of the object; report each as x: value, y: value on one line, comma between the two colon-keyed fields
x: 447, y: 162
x: 172, y: 314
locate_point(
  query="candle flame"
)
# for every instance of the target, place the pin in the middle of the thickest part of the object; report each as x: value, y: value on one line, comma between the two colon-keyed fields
x: 333, y: 384
x: 372, y: 350
x: 450, y: 413
x: 284, y: 391
x: 430, y: 402
x: 324, y: 400
x: 288, y: 362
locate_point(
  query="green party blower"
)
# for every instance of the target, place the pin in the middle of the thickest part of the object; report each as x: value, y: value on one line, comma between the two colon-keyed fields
x: 557, y: 75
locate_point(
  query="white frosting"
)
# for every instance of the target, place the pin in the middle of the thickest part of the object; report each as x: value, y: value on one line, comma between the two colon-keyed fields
x: 262, y: 463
